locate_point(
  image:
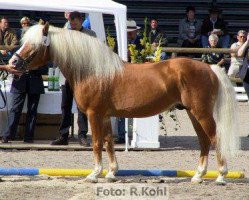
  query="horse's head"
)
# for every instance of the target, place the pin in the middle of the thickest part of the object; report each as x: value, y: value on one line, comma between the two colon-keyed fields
x: 31, y: 56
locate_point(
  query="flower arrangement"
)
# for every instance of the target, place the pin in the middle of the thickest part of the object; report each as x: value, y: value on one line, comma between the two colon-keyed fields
x: 148, y: 50
x: 141, y: 56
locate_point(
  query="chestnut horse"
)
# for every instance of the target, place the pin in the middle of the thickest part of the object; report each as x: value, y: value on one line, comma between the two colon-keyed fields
x: 105, y: 86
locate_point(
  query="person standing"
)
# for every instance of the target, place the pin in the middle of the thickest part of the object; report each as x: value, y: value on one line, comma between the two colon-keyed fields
x: 28, y: 84
x: 25, y: 23
x: 75, y: 22
x: 243, y: 52
x: 236, y: 62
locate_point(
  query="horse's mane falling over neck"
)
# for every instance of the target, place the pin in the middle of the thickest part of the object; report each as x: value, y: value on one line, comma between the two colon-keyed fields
x: 76, y: 53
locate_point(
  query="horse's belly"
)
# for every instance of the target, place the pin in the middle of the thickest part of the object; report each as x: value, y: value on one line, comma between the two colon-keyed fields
x: 141, y: 106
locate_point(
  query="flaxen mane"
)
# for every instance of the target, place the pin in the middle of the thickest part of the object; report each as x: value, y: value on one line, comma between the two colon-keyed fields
x: 85, y: 55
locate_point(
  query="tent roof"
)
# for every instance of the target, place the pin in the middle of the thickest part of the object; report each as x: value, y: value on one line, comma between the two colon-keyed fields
x: 104, y: 6
x: 94, y: 7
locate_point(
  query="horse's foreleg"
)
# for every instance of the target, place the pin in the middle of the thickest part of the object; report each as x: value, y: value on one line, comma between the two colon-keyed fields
x: 113, y: 165
x: 204, y: 142
x: 96, y: 123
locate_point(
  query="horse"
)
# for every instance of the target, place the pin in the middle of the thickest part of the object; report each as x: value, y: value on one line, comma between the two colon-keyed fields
x: 105, y: 86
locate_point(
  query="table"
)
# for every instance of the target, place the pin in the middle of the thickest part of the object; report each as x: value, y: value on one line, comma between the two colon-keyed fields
x: 50, y: 102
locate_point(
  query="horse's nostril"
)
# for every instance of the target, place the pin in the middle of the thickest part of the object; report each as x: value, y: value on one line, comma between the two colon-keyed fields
x: 14, y: 62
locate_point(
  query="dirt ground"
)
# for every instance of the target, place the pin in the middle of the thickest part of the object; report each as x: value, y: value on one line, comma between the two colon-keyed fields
x: 181, y: 153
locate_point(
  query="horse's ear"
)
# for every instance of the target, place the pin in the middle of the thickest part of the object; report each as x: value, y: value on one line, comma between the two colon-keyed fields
x: 45, y: 29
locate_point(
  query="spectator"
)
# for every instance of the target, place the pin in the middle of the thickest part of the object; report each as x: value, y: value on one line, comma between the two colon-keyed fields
x: 29, y: 84
x: 243, y: 71
x: 75, y: 22
x: 213, y: 58
x: 236, y: 62
x: 215, y: 25
x: 8, y: 39
x: 86, y: 23
x: 67, y: 24
x: 25, y: 23
x: 189, y: 29
x: 156, y: 35
x: 133, y: 37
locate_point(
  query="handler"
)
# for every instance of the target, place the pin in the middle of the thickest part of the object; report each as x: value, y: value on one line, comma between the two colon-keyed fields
x: 75, y: 22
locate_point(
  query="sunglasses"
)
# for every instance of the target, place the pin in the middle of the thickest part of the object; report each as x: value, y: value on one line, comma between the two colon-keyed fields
x: 242, y: 36
x: 25, y: 23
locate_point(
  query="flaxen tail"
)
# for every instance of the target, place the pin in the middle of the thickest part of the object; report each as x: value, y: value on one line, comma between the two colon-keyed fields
x: 225, y: 115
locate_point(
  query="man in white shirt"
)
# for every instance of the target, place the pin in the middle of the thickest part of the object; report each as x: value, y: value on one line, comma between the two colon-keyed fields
x: 237, y: 61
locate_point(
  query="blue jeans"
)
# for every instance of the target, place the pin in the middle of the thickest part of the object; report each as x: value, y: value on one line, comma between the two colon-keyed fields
x: 223, y: 42
x: 121, y: 128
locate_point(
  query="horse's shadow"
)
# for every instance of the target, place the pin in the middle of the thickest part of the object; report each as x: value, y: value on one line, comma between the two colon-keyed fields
x: 190, y: 143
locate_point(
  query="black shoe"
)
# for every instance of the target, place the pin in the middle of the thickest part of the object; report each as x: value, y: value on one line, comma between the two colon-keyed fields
x: 28, y: 141
x: 119, y: 141
x: 83, y: 142
x: 4, y: 140
x: 60, y: 141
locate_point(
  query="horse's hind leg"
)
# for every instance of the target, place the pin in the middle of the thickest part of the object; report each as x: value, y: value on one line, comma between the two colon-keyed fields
x: 208, y: 125
x: 113, y: 165
x: 222, y: 167
x: 96, y: 123
x: 204, y: 142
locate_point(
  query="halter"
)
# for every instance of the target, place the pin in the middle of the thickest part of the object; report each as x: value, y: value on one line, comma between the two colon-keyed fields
x: 22, y: 64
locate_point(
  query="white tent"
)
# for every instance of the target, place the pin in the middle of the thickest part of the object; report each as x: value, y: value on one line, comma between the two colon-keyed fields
x: 95, y: 8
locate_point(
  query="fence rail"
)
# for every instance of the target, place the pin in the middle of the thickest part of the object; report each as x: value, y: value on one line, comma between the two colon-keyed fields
x: 197, y: 50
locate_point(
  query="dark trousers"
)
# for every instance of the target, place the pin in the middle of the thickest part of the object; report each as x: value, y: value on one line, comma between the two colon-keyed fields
x: 15, y: 114
x: 246, y: 83
x: 66, y: 108
x: 188, y: 44
x: 121, y: 128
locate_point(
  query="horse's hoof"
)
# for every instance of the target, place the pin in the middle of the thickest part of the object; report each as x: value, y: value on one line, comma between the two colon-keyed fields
x: 110, y: 178
x: 220, y: 182
x: 195, y: 180
x: 91, y: 179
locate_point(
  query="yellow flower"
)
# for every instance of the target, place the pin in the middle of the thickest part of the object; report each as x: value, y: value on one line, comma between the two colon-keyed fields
x: 158, y: 52
x: 110, y: 40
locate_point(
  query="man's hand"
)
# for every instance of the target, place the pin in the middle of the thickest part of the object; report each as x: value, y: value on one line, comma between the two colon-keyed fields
x: 3, y: 52
x: 11, y: 69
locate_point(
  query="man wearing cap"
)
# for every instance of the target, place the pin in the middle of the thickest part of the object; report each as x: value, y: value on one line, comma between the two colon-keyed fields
x: 213, y: 24
x: 132, y: 36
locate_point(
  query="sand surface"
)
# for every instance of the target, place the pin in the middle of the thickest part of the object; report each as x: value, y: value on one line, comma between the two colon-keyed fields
x: 182, y: 152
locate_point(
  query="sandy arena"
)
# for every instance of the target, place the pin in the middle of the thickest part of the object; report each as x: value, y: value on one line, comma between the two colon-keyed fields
x: 181, y: 152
